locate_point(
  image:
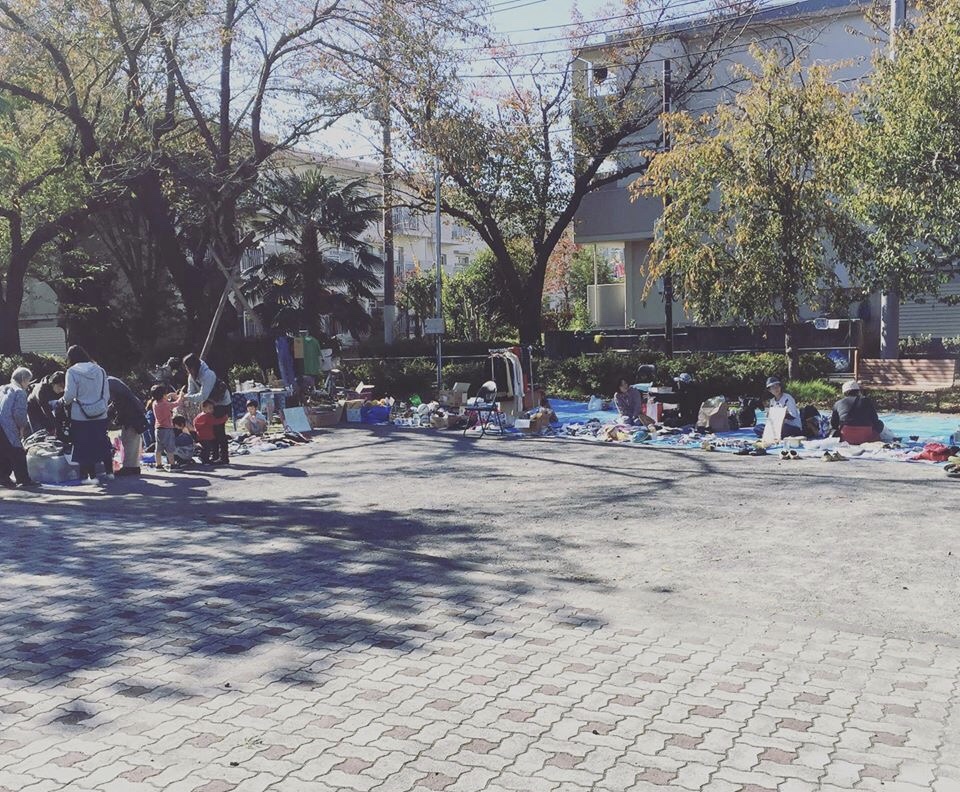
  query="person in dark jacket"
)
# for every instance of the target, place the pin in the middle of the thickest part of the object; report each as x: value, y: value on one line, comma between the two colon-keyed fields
x: 42, y: 416
x: 127, y: 413
x: 629, y: 404
x: 855, y: 417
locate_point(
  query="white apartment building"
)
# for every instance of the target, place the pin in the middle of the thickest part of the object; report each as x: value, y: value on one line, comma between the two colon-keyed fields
x: 820, y: 31
x: 414, y: 233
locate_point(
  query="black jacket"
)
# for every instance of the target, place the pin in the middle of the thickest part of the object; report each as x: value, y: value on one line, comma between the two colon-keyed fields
x: 126, y: 410
x: 38, y: 407
x: 855, y: 411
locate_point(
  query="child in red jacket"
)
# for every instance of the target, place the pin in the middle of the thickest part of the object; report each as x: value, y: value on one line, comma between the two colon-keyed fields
x: 212, y: 434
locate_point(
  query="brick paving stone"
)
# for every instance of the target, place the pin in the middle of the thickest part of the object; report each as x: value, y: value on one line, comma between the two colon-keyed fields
x: 471, y: 687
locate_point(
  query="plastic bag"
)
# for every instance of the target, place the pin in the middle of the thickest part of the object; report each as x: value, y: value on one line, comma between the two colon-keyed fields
x: 51, y: 469
x: 595, y: 404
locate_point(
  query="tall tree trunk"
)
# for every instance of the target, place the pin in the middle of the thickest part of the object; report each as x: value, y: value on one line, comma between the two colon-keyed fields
x: 9, y: 329
x: 12, y: 297
x: 789, y: 348
x: 530, y: 318
x: 187, y: 279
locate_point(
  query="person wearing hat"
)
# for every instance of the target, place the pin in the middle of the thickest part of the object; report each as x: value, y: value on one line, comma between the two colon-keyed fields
x: 792, y: 422
x: 854, y: 419
x: 14, y: 426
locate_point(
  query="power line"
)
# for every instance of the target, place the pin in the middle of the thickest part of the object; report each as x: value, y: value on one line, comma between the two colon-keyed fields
x: 664, y: 26
x: 672, y: 6
x: 706, y: 23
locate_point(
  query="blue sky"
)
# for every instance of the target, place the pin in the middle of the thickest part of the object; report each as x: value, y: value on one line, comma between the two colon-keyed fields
x: 348, y: 139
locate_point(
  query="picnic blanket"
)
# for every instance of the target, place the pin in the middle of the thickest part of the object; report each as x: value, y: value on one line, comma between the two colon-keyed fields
x: 576, y: 421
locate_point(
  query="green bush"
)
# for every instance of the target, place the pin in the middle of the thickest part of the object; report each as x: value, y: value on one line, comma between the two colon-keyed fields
x: 731, y: 375
x: 244, y: 372
x: 818, y: 392
x: 398, y: 378
x: 475, y: 372
x: 40, y: 365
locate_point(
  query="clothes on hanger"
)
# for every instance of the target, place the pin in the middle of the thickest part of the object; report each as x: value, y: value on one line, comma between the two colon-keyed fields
x: 285, y: 360
x: 312, y: 358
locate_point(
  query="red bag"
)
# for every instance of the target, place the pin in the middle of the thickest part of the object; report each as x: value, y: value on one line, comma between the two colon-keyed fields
x: 934, y: 452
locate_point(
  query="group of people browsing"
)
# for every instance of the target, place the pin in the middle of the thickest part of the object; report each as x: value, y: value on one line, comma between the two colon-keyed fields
x: 79, y: 406
x: 854, y: 417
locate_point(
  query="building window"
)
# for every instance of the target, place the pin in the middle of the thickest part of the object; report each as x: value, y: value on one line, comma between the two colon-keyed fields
x: 463, y: 262
x: 443, y: 261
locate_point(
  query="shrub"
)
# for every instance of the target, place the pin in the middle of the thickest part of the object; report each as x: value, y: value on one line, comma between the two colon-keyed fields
x: 730, y: 375
x: 40, y: 365
x: 244, y: 372
x: 476, y: 373
x: 398, y: 378
x: 818, y: 392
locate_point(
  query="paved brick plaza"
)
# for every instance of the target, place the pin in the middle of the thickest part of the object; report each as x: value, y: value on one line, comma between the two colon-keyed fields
x: 144, y: 653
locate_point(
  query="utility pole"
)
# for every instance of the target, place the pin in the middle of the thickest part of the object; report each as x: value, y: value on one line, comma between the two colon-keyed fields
x: 667, y: 279
x: 389, y: 284
x: 439, y: 251
x: 890, y: 299
x: 596, y: 291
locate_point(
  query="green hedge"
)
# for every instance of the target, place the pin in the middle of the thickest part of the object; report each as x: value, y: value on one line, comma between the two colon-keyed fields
x: 580, y: 377
x: 40, y: 365
x: 728, y: 375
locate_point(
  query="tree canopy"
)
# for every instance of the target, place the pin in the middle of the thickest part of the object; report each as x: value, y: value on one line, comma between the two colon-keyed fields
x: 759, y: 216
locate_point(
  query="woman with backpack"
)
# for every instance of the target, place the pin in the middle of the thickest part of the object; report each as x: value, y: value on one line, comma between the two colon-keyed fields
x: 203, y: 384
x: 87, y: 395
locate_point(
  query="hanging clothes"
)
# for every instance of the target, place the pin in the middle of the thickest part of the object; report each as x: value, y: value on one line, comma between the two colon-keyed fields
x: 311, y: 356
x: 285, y: 360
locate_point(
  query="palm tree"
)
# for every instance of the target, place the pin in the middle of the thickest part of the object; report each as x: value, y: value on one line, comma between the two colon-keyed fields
x: 325, y: 270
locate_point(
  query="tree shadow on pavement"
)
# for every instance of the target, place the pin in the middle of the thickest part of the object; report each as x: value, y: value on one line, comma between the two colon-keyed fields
x: 82, y: 592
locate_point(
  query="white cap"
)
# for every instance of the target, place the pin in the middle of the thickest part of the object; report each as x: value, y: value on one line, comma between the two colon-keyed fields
x: 849, y: 387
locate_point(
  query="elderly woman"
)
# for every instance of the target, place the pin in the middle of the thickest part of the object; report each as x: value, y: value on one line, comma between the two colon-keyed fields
x: 14, y: 426
x: 87, y: 395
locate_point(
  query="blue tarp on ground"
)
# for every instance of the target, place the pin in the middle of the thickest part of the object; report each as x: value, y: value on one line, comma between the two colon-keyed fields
x: 934, y: 427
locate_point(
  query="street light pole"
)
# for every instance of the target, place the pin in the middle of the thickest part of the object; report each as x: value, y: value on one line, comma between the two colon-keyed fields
x: 667, y: 279
x: 439, y: 252
x: 890, y: 299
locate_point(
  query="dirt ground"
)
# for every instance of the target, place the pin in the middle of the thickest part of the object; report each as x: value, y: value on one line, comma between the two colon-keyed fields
x: 869, y: 546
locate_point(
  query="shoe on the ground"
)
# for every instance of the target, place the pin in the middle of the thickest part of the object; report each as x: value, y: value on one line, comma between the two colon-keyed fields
x: 30, y: 485
x: 128, y: 472
x: 107, y: 477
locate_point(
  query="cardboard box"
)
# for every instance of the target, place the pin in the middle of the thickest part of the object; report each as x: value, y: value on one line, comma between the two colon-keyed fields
x: 455, y: 397
x: 325, y: 417
x: 533, y: 425
x: 353, y: 409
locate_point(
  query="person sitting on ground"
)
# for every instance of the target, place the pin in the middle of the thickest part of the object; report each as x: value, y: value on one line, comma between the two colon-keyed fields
x: 164, y: 404
x: 629, y: 403
x: 854, y: 419
x: 253, y: 422
x: 208, y: 426
x: 792, y: 422
x: 184, y: 442
x: 40, y: 409
x: 14, y: 426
